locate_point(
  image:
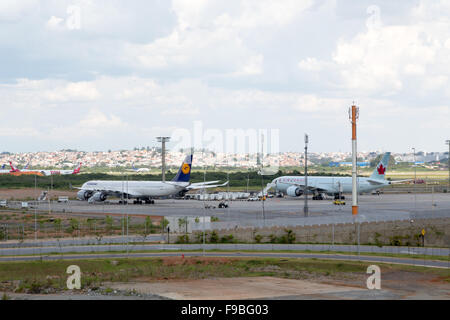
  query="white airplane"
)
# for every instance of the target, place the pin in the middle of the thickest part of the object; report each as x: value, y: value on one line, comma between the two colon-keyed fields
x: 62, y: 172
x: 99, y: 190
x: 44, y: 172
x: 3, y: 170
x: 138, y: 169
x: 294, y: 186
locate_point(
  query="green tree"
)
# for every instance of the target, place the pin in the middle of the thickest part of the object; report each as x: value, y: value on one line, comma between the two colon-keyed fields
x: 164, y: 223
x: 74, y: 224
x: 214, y: 237
x: 109, y: 223
x: 148, y: 224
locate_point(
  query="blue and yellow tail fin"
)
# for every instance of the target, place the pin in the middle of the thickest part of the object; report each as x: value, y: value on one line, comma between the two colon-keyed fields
x: 184, y: 173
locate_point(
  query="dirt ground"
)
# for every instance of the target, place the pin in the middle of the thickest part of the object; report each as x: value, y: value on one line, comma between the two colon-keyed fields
x: 30, y: 193
x: 291, y: 284
x: 397, y: 285
x: 394, y: 285
x: 233, y: 288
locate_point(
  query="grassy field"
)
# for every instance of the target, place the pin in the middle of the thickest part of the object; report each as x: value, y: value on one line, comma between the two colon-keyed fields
x: 238, y: 179
x: 50, y: 276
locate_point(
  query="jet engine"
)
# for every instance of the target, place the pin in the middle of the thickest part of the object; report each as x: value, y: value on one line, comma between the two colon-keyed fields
x: 182, y: 193
x: 294, y: 191
x: 99, y: 196
x: 84, y: 194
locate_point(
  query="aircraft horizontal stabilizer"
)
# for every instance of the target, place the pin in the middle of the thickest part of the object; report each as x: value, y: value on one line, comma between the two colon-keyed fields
x: 375, y: 181
x: 202, y: 185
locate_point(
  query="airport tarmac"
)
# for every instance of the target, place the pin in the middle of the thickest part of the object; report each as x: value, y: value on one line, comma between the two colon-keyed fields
x: 277, y: 211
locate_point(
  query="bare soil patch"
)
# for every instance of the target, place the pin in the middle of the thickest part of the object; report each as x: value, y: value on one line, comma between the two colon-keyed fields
x: 31, y: 194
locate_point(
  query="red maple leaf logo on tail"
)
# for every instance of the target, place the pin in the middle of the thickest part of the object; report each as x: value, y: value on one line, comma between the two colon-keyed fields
x: 381, y: 169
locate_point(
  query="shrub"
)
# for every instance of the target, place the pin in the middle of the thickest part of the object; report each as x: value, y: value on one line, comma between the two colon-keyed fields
x: 272, y: 238
x: 74, y: 224
x: 183, y: 239
x: 377, y: 240
x: 258, y: 238
x: 109, y: 222
x: 164, y: 223
x: 199, y: 237
x: 396, y: 241
x: 227, y: 239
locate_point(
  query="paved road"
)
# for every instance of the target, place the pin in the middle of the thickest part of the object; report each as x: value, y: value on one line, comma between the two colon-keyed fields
x: 63, y: 242
x: 30, y: 250
x: 425, y: 263
x: 282, y: 212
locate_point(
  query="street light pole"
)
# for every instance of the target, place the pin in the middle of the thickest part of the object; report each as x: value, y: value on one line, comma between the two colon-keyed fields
x: 415, y: 177
x: 305, y: 209
x: 35, y: 213
x: 262, y: 179
x: 448, y: 142
x: 163, y: 140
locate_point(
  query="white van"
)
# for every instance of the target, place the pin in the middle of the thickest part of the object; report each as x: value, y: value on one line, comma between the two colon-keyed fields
x: 63, y: 199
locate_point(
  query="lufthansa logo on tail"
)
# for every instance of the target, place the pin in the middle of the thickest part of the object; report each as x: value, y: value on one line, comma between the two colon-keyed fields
x: 185, y: 168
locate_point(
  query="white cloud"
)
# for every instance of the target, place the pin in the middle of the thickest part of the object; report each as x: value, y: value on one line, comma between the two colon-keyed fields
x: 13, y: 10
x: 73, y: 91
x: 96, y: 119
x: 381, y: 59
x: 295, y: 65
x: 311, y: 64
x: 215, y: 37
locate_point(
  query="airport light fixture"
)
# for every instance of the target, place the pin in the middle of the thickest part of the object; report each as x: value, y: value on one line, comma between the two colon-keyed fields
x: 305, y: 209
x: 163, y: 140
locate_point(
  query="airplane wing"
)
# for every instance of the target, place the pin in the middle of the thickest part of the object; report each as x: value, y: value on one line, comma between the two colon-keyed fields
x: 205, y: 185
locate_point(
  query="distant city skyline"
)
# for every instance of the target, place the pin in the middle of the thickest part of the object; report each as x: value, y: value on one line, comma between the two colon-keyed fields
x: 144, y: 158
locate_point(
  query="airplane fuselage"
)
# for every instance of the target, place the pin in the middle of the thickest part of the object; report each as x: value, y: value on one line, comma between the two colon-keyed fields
x: 329, y: 185
x: 143, y: 189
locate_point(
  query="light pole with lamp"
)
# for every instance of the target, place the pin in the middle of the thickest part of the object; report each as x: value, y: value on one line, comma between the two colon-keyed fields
x: 415, y: 179
x: 305, y: 209
x: 163, y: 140
x: 448, y: 158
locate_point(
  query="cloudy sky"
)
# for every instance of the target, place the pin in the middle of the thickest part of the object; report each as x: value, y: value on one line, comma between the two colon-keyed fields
x: 109, y: 74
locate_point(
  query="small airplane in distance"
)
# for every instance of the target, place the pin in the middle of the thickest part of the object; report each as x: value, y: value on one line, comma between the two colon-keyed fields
x: 15, y: 171
x: 44, y: 172
x: 138, y: 169
x: 3, y: 170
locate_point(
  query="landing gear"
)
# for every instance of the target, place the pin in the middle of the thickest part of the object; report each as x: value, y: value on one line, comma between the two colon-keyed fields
x: 337, y: 197
x: 318, y: 197
x: 223, y: 205
x: 149, y: 201
x: 123, y: 202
